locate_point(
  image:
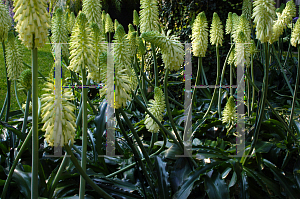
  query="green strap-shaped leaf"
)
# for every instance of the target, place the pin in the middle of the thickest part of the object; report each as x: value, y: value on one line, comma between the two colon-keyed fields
x: 163, y: 178
x: 216, y: 187
x: 284, y: 182
x: 187, y: 185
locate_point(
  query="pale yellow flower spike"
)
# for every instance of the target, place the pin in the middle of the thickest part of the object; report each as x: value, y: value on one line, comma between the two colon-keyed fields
x: 149, y: 20
x: 216, y: 31
x: 295, y: 38
x: 200, y: 35
x: 264, y: 15
x: 5, y: 22
x: 32, y: 21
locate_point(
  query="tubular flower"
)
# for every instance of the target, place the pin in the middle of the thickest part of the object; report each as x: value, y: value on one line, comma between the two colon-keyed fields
x: 122, y: 47
x: 136, y: 18
x: 25, y: 80
x: 81, y: 46
x: 229, y: 112
x: 171, y: 48
x: 229, y: 24
x: 98, y: 48
x: 116, y: 24
x: 231, y: 58
x: 132, y: 38
x: 109, y: 25
x: 242, y: 51
x: 92, y: 9
x: 283, y: 19
x: 200, y: 35
x: 59, y: 31
x: 58, y: 116
x: 243, y: 26
x: 71, y: 22
x: 156, y: 108
x: 216, y: 31
x: 103, y: 21
x: 33, y: 21
x: 247, y: 9
x: 118, y: 89
x: 235, y: 22
x: 5, y: 22
x: 264, y: 15
x: 149, y: 16
x: 295, y: 38
x: 14, y: 57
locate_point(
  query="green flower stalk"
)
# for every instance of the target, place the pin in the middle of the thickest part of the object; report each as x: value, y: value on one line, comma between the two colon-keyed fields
x: 229, y: 112
x: 247, y: 9
x: 171, y: 48
x: 229, y: 24
x: 136, y: 18
x: 149, y: 16
x: 81, y: 46
x: 5, y: 22
x: 14, y: 57
x: 200, y: 35
x: 92, y: 10
x: 25, y: 80
x: 295, y: 37
x: 216, y: 31
x: 109, y: 25
x: 130, y: 28
x: 283, y: 19
x: 157, y: 108
x: 60, y: 31
x: 33, y: 22
x: 264, y: 15
x: 58, y: 112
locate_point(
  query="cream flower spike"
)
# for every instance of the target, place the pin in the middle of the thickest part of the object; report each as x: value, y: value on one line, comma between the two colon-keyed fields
x: 229, y: 112
x: 283, y: 19
x: 60, y: 31
x: 229, y: 24
x: 156, y: 108
x: 109, y: 25
x: 231, y: 58
x: 81, y: 46
x: 32, y: 20
x: 149, y: 20
x: 58, y: 113
x: 264, y: 15
x: 295, y: 38
x: 216, y: 31
x: 243, y: 26
x: 25, y: 80
x: 235, y: 22
x: 71, y: 22
x: 242, y: 49
x: 92, y: 10
x: 103, y: 21
x: 171, y: 48
x: 136, y: 18
x: 247, y: 9
x: 122, y: 47
x: 14, y: 57
x: 5, y: 22
x: 116, y: 24
x: 200, y: 35
x: 98, y: 48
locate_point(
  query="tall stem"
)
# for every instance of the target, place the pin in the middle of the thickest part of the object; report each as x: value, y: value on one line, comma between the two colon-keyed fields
x: 35, y: 133
x: 155, y: 65
x: 253, y: 89
x: 197, y: 78
x: 85, y: 176
x: 26, y: 112
x: 262, y: 104
x: 7, y: 83
x: 3, y: 107
x: 231, y: 80
x: 84, y: 133
x: 296, y: 88
x: 168, y: 107
x: 17, y: 98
